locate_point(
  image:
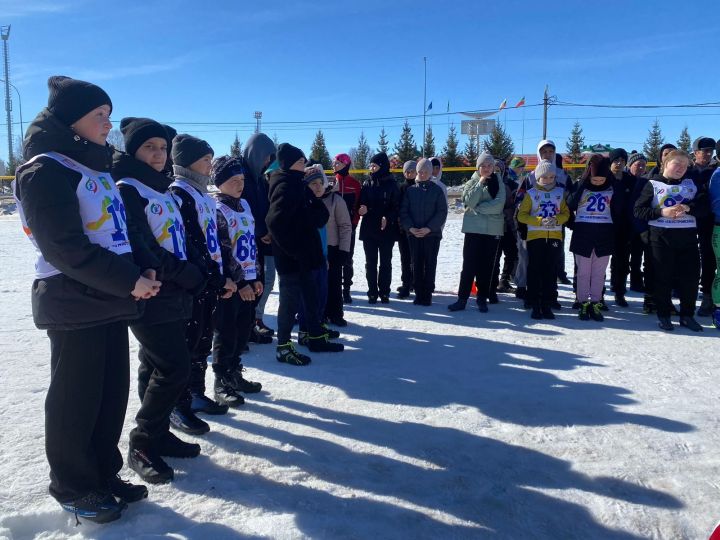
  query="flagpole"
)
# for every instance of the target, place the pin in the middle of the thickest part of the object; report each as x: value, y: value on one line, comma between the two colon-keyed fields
x: 522, y: 144
x: 424, y: 104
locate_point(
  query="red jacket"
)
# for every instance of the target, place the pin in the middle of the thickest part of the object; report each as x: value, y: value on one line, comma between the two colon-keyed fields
x: 349, y: 189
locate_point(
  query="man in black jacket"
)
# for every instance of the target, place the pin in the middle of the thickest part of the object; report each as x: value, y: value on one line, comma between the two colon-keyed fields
x: 293, y: 219
x: 623, y: 187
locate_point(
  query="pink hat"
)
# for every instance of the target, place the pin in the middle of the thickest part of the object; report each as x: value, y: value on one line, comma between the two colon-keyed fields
x: 344, y: 159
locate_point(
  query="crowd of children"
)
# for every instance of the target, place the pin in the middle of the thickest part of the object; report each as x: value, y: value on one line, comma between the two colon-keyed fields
x: 141, y: 239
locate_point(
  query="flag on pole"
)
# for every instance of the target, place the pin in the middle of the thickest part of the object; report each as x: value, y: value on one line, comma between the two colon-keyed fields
x: 448, y: 109
x: 521, y: 102
x: 503, y: 105
x: 429, y: 107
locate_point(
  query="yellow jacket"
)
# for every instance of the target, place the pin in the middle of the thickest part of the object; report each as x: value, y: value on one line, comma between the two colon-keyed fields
x: 532, y: 211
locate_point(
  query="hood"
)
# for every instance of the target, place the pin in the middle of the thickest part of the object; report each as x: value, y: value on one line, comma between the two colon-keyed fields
x: 439, y: 176
x: 48, y: 134
x: 543, y: 143
x: 257, y: 149
x: 126, y: 166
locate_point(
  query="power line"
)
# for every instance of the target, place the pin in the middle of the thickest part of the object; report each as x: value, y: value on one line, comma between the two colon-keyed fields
x: 710, y: 104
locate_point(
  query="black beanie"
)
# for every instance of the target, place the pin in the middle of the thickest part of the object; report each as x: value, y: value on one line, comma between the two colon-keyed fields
x: 664, y: 147
x: 70, y: 99
x: 138, y: 130
x: 618, y: 153
x: 287, y: 155
x: 224, y: 168
x: 187, y: 149
x: 381, y: 160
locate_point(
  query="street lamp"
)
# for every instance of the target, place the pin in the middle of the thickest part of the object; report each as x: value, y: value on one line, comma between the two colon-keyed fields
x: 22, y: 129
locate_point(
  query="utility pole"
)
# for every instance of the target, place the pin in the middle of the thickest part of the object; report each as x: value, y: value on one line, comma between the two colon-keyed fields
x: 5, y: 35
x: 258, y: 118
x: 424, y: 104
x: 546, y: 99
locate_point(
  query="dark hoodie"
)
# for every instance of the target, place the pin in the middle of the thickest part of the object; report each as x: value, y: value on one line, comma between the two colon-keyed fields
x: 381, y: 195
x: 180, y: 279
x: 95, y: 284
x: 293, y: 220
x: 599, y: 237
x: 256, y: 152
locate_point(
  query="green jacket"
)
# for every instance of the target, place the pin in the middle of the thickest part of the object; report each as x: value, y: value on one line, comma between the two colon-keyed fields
x: 483, y: 212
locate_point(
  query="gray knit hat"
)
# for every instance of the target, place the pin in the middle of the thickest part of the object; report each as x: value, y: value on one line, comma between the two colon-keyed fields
x: 409, y: 166
x: 482, y: 158
x: 545, y: 167
x: 424, y: 163
x: 636, y: 156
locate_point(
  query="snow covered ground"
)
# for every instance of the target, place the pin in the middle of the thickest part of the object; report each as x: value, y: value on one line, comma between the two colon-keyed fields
x: 430, y: 425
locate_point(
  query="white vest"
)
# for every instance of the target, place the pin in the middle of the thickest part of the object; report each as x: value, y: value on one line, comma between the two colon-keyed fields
x: 163, y: 216
x: 667, y: 195
x: 594, y: 207
x: 241, y: 229
x: 206, y: 212
x: 102, y: 212
x: 545, y: 204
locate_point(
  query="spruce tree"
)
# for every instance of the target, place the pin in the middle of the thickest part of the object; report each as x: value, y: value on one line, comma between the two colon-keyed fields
x: 471, y: 151
x: 654, y: 141
x: 499, y: 144
x: 429, y: 145
x: 574, y: 147
x: 684, y: 142
x: 362, y: 155
x: 405, y: 147
x: 451, y: 158
x: 383, y: 144
x: 236, y: 147
x: 319, y: 152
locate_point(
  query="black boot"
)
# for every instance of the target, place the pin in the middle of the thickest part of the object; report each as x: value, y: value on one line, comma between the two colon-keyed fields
x: 241, y: 384
x: 665, y: 324
x: 126, y: 491
x: 547, y: 312
x: 536, y: 313
x: 149, y: 466
x: 620, y: 300
x: 648, y: 304
x: 505, y: 286
x: 493, y: 298
x: 459, y: 305
x: 347, y: 299
x: 225, y: 393
x: 96, y: 506
x: 403, y: 291
x: 287, y: 354
x: 202, y: 403
x: 338, y: 321
x: 520, y: 293
x: 262, y: 329
x: 184, y: 419
x: 706, y: 306
x: 690, y: 323
x: 323, y: 344
x: 170, y: 446
x: 482, y: 305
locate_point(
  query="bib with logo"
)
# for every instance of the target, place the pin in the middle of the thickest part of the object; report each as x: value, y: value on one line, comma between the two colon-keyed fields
x: 666, y: 196
x: 163, y: 216
x: 241, y: 229
x: 102, y: 212
x: 545, y: 204
x: 594, y: 207
x: 206, y: 212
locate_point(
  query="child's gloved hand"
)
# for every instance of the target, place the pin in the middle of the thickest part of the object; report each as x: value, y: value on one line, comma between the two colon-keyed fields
x: 549, y: 222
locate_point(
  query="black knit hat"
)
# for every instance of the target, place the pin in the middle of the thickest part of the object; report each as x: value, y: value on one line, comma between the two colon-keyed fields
x: 287, y: 155
x: 70, y: 99
x: 187, y: 149
x: 138, y: 130
x: 224, y: 168
x: 381, y: 160
x: 703, y: 142
x: 618, y: 153
x: 635, y: 156
x: 666, y: 146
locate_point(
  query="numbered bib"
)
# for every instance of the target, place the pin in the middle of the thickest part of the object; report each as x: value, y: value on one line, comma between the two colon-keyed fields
x: 545, y: 204
x: 668, y: 195
x: 241, y: 229
x: 594, y: 207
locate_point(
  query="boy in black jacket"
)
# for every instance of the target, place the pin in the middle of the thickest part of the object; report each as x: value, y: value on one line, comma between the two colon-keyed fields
x: 234, y: 316
x: 671, y: 204
x: 158, y: 237
x: 293, y: 219
x: 192, y: 162
x: 84, y: 294
x: 422, y: 214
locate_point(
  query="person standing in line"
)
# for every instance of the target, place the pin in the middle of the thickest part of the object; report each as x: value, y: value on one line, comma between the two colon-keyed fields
x: 406, y: 272
x: 636, y: 166
x: 623, y: 187
x: 483, y: 197
x: 86, y: 288
x: 379, y: 205
x: 349, y: 189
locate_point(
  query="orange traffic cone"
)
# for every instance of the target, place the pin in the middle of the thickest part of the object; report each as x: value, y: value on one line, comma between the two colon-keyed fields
x: 473, y: 290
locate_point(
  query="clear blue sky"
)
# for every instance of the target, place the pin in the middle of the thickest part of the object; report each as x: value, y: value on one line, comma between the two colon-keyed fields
x: 184, y: 62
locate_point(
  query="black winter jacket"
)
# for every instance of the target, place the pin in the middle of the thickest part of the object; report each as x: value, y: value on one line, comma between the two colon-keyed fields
x: 424, y: 205
x: 293, y: 220
x: 95, y: 284
x: 180, y: 279
x: 258, y: 148
x: 600, y: 237
x: 381, y: 196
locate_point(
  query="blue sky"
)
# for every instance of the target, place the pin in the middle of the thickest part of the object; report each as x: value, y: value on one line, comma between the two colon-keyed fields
x: 187, y: 63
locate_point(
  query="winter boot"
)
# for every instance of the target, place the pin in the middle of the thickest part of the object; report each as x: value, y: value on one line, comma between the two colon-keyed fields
x: 520, y: 293
x: 536, y: 313
x: 665, y: 324
x: 584, y: 313
x: 259, y: 336
x: 96, y: 506
x: 126, y: 491
x: 493, y: 298
x: 303, y: 338
x: 596, y: 312
x: 225, y: 393
x: 338, y: 321
x: 241, y: 384
x: 505, y: 286
x: 347, y: 299
x: 620, y: 300
x: 648, y: 304
x: 202, y: 403
x: 149, y: 466
x: 459, y: 305
x: 706, y: 306
x: 372, y: 298
x: 690, y: 323
x: 384, y: 299
x: 563, y: 279
x: 403, y: 291
x: 170, y: 446
x: 287, y: 354
x: 322, y: 343
x: 547, y: 312
x: 482, y: 305
x: 261, y: 328
x: 332, y: 334
x: 184, y: 419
